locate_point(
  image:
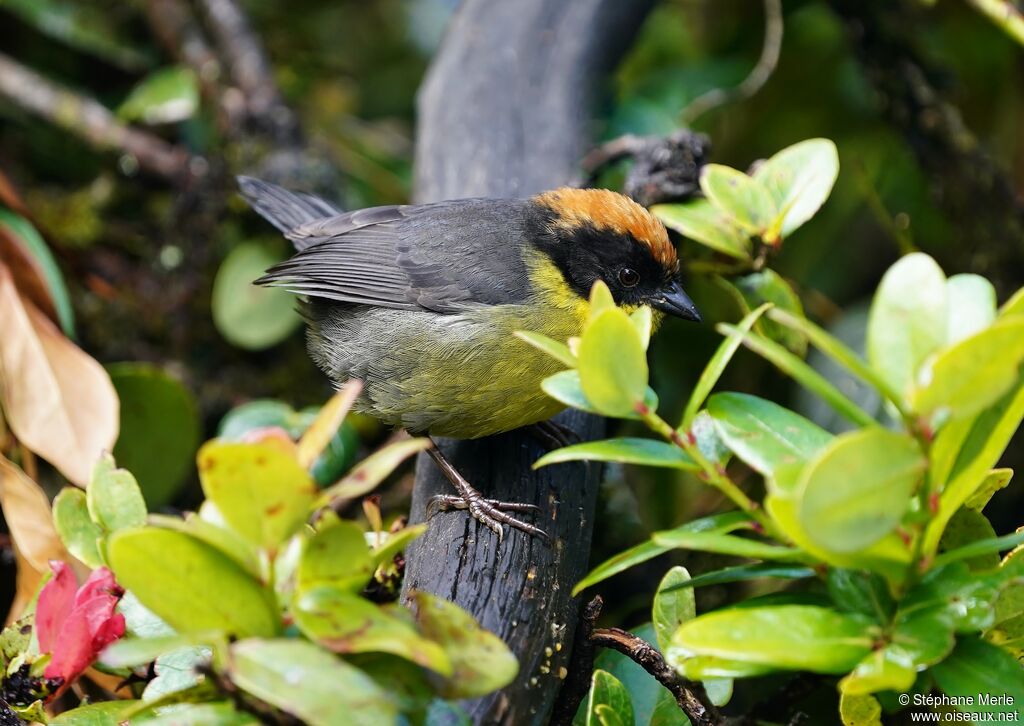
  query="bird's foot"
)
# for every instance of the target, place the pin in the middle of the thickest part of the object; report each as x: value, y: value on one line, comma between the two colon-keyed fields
x: 489, y: 512
x: 552, y: 435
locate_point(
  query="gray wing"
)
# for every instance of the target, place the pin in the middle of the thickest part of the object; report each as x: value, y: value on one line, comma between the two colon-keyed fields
x: 441, y: 257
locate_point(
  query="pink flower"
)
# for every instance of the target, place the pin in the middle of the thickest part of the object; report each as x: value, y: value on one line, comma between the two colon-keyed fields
x: 73, y: 624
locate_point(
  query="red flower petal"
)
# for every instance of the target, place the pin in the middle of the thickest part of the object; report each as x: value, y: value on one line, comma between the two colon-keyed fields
x: 74, y: 652
x: 101, y: 581
x: 55, y: 604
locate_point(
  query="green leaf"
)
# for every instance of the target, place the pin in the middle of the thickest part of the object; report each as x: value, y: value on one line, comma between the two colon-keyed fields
x: 374, y: 469
x: 720, y: 523
x: 879, y: 671
x: 221, y: 713
x: 395, y: 542
x: 797, y: 637
x: 643, y: 320
x: 644, y: 690
x: 167, y: 95
x: 957, y: 597
x: 481, y: 662
x: 247, y: 315
x: 565, y: 387
x: 613, y: 364
x: 260, y: 414
x: 190, y: 585
x: 716, y: 366
x: 977, y: 549
x: 74, y: 525
x: 726, y: 544
x: 803, y: 374
x: 600, y: 300
x: 973, y: 374
x: 745, y: 200
x: 799, y: 179
x: 666, y: 709
x: 608, y: 703
x: 1013, y: 306
x: 556, y: 349
x: 105, y: 713
x: 984, y: 441
x: 336, y: 556
x: 860, y: 710
x: 24, y: 232
x: 763, y: 434
x: 702, y: 222
x: 767, y: 286
x: 995, y: 480
x: 131, y: 652
x: 114, y: 499
x: 309, y: 683
x: 966, y: 528
x: 857, y: 489
x: 908, y: 319
x: 673, y: 605
x: 972, y: 306
x: 977, y: 667
x: 159, y: 429
x: 642, y: 452
x: 262, y: 492
x: 225, y: 540
x: 860, y: 592
x: 741, y: 573
x: 177, y: 672
x: 346, y: 623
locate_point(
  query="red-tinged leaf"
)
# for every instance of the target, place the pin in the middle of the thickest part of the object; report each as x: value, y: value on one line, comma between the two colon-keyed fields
x: 56, y: 601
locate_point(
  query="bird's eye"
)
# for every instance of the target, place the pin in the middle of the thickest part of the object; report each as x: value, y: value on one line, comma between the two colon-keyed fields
x: 629, y: 277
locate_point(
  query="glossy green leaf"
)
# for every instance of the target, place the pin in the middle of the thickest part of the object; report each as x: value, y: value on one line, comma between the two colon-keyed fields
x: 74, y: 525
x: 179, y: 675
x: 745, y: 200
x: 862, y: 592
x: 263, y: 413
x: 190, y: 585
x: 104, y: 713
x: 1013, y: 306
x: 856, y: 490
x: 642, y: 452
x: 613, y: 364
x: 374, y: 469
x: 860, y: 710
x: 644, y: 690
x: 131, y: 652
x: 767, y: 286
x: 395, y: 542
x: 673, y: 605
x: 763, y: 434
x: 309, y: 683
x: 903, y: 328
x: 344, y: 622
x: 218, y: 537
x: 607, y: 694
x: 708, y: 667
x: 972, y: 306
x: 967, y: 528
x: 566, y: 388
x: 556, y: 349
x: 975, y: 552
x: 481, y: 662
x: 984, y: 441
x: 803, y: 374
x: 159, y: 429
x: 666, y: 709
x: 167, y: 95
x: 221, y: 713
x: 977, y: 667
x: 721, y: 523
x: 702, y: 222
x: 601, y: 299
x: 799, y: 179
x: 994, y: 481
x: 973, y: 374
x: 643, y: 320
x: 263, y: 493
x: 25, y: 233
x: 880, y: 671
x: 336, y: 556
x: 726, y: 544
x: 716, y: 366
x: 955, y: 596
x: 247, y: 315
x: 742, y: 573
x: 798, y: 637
x: 114, y: 498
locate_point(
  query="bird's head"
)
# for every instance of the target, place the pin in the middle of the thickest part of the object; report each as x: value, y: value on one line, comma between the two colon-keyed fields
x: 596, y: 234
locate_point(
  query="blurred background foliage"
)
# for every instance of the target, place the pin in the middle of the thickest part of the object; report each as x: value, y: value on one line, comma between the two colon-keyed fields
x: 157, y: 272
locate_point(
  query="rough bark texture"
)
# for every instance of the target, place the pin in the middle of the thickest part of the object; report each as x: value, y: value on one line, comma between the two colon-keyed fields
x: 505, y: 111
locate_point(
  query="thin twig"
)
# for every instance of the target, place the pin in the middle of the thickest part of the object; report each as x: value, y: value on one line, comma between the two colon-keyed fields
x: 773, y: 27
x: 581, y: 666
x: 89, y: 119
x: 689, y: 695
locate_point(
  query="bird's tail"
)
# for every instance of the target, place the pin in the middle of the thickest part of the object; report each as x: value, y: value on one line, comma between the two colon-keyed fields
x: 284, y: 209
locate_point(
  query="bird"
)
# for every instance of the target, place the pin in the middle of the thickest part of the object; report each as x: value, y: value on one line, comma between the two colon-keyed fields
x: 421, y: 303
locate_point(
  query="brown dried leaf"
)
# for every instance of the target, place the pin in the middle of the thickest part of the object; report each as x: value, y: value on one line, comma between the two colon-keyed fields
x: 27, y: 272
x: 58, y: 401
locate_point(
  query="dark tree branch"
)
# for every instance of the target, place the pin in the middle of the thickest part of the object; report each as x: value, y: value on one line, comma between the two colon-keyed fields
x: 89, y: 119
x: 506, y: 111
x: 689, y: 695
x: 974, y: 192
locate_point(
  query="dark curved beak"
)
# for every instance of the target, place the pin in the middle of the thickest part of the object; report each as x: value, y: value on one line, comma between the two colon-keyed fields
x: 674, y: 301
